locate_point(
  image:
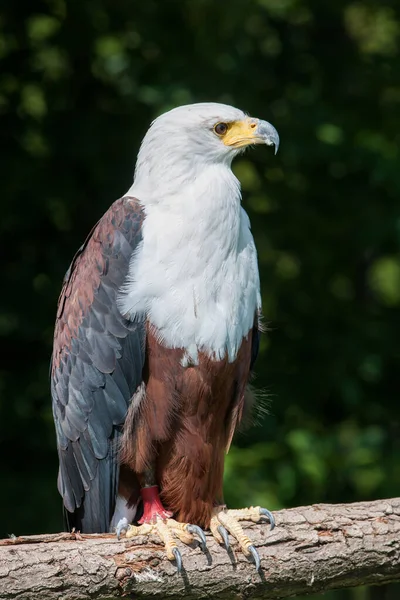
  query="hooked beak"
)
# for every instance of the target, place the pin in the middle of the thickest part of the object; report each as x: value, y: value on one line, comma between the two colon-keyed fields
x: 268, y: 134
x: 251, y: 131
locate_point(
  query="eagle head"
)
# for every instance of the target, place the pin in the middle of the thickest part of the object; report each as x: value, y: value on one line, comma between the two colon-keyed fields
x: 184, y: 141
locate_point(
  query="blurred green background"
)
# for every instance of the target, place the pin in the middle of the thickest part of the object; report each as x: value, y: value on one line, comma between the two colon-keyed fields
x: 80, y: 81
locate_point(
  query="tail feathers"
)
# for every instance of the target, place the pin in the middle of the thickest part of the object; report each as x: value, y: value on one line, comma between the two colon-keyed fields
x: 97, y: 508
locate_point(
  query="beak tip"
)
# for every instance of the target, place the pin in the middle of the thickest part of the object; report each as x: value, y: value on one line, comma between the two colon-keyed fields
x: 269, y: 134
x: 273, y: 141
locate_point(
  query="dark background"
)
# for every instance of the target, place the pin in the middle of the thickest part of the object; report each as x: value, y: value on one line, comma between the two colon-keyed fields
x: 79, y: 84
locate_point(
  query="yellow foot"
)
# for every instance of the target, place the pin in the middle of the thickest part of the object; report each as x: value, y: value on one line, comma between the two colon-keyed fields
x: 167, y: 530
x: 224, y: 520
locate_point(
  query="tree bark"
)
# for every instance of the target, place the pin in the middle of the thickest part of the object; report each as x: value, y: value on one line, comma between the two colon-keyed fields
x: 312, y: 548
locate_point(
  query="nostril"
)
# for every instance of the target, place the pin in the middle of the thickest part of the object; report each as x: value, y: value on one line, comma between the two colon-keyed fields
x: 252, y: 125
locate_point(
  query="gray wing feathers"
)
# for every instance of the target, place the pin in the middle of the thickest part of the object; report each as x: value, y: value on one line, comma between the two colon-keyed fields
x: 98, y: 369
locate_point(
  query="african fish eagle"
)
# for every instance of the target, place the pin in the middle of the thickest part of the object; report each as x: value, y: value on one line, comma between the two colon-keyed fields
x: 156, y: 334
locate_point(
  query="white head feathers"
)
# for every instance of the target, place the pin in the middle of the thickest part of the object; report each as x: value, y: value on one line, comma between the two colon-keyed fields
x: 179, y: 145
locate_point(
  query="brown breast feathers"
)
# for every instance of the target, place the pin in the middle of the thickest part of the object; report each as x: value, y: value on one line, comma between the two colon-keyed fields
x: 185, y: 425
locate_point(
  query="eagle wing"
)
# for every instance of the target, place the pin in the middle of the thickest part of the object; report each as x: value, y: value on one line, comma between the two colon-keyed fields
x: 97, y: 364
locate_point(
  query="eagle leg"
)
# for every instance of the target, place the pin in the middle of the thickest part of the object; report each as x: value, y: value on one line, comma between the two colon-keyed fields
x: 224, y: 520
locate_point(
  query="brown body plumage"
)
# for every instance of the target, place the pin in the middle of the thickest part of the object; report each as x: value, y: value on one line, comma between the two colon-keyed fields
x: 185, y: 425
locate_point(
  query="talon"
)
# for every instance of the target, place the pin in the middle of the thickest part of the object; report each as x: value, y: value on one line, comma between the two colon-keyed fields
x: 224, y: 534
x: 198, y: 530
x: 256, y: 557
x: 266, y: 513
x: 122, y: 525
x: 178, y: 559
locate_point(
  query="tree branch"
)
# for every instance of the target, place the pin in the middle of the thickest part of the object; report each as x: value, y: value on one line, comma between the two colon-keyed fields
x: 313, y: 548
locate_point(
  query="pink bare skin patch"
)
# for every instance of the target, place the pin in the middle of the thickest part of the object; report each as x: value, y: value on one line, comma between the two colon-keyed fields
x: 152, y: 506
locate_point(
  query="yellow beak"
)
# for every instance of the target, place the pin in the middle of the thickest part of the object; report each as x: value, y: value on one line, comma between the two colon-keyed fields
x: 251, y: 131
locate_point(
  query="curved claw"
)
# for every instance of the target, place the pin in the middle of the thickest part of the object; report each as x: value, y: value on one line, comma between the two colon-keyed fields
x: 195, y: 529
x: 224, y: 534
x: 122, y: 525
x: 178, y: 559
x: 255, y: 556
x: 266, y: 513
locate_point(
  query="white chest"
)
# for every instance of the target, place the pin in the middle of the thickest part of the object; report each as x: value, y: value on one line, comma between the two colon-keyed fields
x: 195, y: 275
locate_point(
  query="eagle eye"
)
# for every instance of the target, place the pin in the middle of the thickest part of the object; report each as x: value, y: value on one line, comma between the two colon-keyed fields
x: 221, y: 128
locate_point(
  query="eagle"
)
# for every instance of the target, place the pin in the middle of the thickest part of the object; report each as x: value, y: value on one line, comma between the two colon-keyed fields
x: 156, y: 335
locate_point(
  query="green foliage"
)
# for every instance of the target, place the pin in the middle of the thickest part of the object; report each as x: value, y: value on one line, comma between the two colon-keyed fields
x: 79, y: 84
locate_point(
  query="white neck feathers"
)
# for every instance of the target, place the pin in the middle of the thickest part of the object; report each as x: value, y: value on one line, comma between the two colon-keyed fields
x: 194, y: 276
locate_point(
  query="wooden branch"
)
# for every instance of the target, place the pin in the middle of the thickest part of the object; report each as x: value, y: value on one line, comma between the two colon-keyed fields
x: 313, y: 548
